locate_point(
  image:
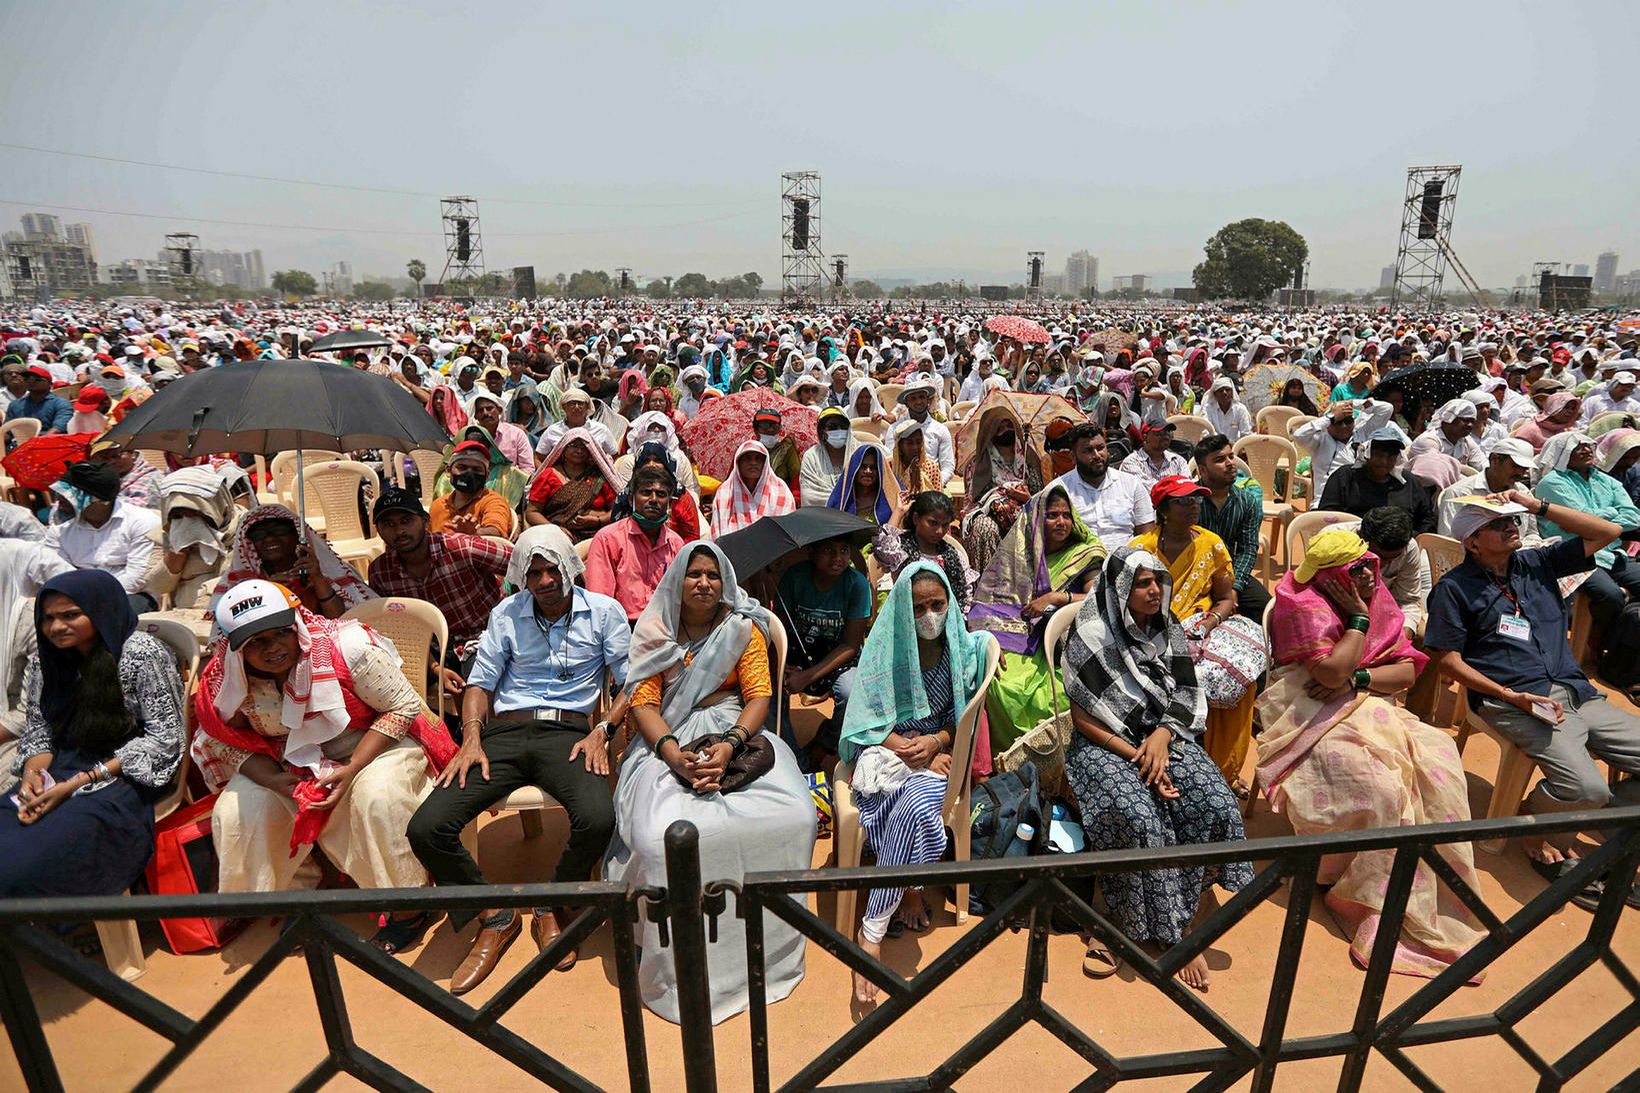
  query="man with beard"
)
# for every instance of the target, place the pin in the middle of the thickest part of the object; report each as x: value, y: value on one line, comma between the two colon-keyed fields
x: 1114, y: 504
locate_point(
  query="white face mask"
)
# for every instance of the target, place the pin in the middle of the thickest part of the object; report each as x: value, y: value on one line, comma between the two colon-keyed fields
x: 836, y: 438
x: 931, y: 624
x: 768, y: 441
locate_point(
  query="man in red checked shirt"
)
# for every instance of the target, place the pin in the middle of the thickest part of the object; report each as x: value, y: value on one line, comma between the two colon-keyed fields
x: 458, y: 574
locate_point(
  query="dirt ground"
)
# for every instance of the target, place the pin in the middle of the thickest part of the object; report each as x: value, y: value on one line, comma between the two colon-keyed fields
x: 274, y: 1038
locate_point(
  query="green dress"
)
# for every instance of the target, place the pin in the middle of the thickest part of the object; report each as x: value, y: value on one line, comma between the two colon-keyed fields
x: 1021, y: 694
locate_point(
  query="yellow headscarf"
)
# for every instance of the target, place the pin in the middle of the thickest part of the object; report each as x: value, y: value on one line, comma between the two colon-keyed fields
x: 1334, y: 546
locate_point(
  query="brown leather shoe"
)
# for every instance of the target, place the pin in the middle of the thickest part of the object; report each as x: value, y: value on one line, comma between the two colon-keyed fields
x: 545, y: 930
x: 488, y: 948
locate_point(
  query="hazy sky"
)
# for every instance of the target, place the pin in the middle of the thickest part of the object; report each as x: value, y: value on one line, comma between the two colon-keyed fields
x: 653, y: 135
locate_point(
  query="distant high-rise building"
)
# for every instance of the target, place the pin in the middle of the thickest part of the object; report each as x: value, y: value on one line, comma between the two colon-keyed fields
x: 226, y: 267
x: 341, y: 278
x: 83, y: 235
x: 136, y: 272
x: 1081, y: 273
x: 1605, y: 271
x: 1580, y: 270
x: 42, y: 227
x: 1386, y: 277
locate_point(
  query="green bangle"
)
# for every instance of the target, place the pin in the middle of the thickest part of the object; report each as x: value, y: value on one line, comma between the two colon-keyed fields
x: 1361, y: 678
x: 1359, y: 623
x: 662, y: 742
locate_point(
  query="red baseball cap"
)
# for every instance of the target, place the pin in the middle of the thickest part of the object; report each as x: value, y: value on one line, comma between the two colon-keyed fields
x: 40, y: 370
x: 1156, y: 427
x: 1176, y: 485
x: 91, y: 397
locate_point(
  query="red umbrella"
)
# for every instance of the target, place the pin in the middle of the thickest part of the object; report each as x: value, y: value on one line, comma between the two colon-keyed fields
x: 724, y: 424
x: 38, y: 462
x: 1018, y: 328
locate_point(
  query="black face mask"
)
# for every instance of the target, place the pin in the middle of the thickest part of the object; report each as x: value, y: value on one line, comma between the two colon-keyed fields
x: 1005, y: 440
x: 468, y: 481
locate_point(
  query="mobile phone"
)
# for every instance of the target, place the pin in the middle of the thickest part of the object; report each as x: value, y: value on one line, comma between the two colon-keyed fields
x: 1546, y: 713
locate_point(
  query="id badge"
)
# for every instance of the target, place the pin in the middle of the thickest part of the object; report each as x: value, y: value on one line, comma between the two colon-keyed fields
x: 1516, y: 627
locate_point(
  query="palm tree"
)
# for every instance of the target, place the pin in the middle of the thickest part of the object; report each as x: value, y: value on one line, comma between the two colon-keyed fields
x: 417, y: 269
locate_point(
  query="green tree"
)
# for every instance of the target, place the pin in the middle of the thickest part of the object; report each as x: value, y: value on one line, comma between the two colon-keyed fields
x: 866, y: 290
x: 692, y: 284
x: 295, y: 282
x: 659, y: 288
x: 373, y: 290
x: 416, y: 270
x: 589, y: 283
x: 1250, y: 259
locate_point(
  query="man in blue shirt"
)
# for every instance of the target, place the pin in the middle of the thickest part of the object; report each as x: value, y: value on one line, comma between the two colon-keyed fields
x: 1497, y: 625
x: 537, y: 675
x: 52, y: 412
x: 1575, y: 483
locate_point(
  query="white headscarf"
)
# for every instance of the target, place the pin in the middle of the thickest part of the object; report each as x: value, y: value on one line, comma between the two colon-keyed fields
x: 547, y: 541
x: 1557, y: 451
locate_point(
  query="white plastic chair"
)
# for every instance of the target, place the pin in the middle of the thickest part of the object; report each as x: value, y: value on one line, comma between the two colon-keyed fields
x: 1306, y: 525
x: 1273, y: 420
x: 335, y: 486
x: 427, y: 464
x: 1264, y: 455
x: 956, y: 811
x: 414, y: 627
x: 1190, y: 428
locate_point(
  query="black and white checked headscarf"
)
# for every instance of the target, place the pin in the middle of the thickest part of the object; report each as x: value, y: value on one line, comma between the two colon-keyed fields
x: 1127, y: 682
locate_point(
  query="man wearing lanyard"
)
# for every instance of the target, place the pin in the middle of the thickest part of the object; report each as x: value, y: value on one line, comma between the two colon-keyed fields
x: 1497, y: 625
x: 537, y: 675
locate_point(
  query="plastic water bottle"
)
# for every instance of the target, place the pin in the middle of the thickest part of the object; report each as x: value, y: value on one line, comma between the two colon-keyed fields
x: 1024, y: 836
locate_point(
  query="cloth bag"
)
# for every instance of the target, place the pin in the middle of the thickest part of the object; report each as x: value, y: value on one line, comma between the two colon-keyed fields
x: 746, y: 766
x: 1230, y: 661
x: 185, y: 864
x: 1044, y: 745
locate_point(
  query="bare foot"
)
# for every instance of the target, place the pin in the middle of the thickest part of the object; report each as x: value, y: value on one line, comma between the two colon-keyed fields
x: 913, y: 912
x: 865, y: 991
x: 1544, y: 851
x: 1195, y: 974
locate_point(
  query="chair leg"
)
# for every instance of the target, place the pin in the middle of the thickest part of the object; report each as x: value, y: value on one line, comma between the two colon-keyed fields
x: 122, y: 948
x: 963, y: 834
x: 846, y: 834
x: 1514, y: 771
x: 531, y: 819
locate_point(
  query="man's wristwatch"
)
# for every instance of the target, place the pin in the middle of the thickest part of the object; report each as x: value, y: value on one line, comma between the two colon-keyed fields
x: 603, y: 726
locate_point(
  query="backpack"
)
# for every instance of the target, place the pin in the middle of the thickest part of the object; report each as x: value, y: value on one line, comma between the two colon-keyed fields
x: 1001, y: 804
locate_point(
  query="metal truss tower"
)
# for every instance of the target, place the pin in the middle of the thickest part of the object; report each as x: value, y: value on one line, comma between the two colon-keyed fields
x: 463, y: 245
x: 1426, y: 230
x: 801, y: 259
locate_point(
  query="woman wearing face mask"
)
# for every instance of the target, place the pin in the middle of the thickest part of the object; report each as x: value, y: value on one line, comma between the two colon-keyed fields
x: 823, y: 464
x: 575, y: 488
x: 918, y: 669
x: 470, y: 507
x: 1001, y: 472
x: 784, y: 461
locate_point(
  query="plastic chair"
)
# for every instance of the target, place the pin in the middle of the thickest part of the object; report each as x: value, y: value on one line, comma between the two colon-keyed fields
x: 868, y: 426
x: 427, y: 464
x: 1264, y: 456
x: 850, y: 838
x: 1291, y: 425
x: 1306, y: 525
x: 13, y: 433
x: 582, y: 549
x: 335, y: 485
x: 1443, y: 553
x: 414, y: 627
x: 1190, y: 428
x: 120, y: 939
x: 888, y: 394
x: 961, y: 410
x: 1273, y: 420
x: 283, y: 472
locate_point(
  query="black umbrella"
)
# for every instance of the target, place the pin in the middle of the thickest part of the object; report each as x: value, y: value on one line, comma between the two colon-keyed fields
x: 265, y: 407
x: 1431, y: 384
x: 754, y: 548
x: 270, y: 406
x: 349, y: 339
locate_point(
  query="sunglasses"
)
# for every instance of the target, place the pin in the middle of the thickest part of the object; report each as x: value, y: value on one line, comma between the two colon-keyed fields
x: 1363, y: 566
x: 1504, y: 523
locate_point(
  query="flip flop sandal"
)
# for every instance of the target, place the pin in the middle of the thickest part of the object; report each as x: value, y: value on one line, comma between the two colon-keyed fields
x: 397, y: 935
x: 1099, y: 962
x: 1551, y: 871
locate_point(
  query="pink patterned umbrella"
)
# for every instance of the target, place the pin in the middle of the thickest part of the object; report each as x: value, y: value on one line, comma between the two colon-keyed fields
x: 724, y: 424
x: 1018, y: 328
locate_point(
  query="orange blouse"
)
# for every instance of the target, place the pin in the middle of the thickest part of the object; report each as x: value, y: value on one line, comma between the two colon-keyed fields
x: 750, y: 674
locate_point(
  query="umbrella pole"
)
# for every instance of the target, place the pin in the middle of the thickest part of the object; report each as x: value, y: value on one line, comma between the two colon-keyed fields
x: 301, y: 486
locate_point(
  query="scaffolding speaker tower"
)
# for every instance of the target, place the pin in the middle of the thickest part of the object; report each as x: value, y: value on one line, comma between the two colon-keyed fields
x: 1426, y: 230
x: 1033, y: 274
x: 463, y: 245
x: 181, y: 247
x: 801, y: 259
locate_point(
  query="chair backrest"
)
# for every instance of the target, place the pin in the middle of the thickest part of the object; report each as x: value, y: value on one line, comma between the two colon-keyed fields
x: 583, y: 548
x: 961, y: 410
x: 962, y: 552
x: 777, y: 666
x: 283, y: 470
x: 1272, y: 420
x: 1190, y: 428
x: 962, y: 746
x: 155, y: 459
x: 1291, y: 425
x: 1444, y: 553
x: 414, y: 627
x: 13, y: 433
x: 1306, y: 525
x: 1263, y: 455
x: 1058, y: 623
x: 871, y: 427
x: 888, y: 394
x: 427, y: 465
x: 336, y: 488
x: 178, y: 637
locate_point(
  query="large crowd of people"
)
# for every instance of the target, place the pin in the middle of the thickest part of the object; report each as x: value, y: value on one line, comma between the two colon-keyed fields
x: 604, y: 649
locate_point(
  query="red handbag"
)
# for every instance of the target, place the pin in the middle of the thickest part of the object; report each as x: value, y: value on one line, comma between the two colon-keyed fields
x: 185, y: 864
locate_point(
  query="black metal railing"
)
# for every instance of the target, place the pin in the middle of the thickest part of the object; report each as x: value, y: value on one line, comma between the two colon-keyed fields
x: 311, y: 925
x: 686, y: 913
x: 1296, y: 859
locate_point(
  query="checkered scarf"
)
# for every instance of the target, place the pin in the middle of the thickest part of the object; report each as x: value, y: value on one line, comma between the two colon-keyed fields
x: 1109, y: 669
x: 737, y: 507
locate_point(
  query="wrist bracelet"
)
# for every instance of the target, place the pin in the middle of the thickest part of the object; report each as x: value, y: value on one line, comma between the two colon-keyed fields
x: 1359, y: 623
x: 1361, y: 678
x: 661, y: 743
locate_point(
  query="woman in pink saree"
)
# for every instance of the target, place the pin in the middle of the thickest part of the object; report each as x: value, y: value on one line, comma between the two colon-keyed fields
x: 1337, y: 754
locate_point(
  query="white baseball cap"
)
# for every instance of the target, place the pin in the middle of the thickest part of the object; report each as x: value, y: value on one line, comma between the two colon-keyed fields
x: 254, y: 607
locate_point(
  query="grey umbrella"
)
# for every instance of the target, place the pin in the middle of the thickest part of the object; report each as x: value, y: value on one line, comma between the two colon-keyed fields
x: 350, y: 339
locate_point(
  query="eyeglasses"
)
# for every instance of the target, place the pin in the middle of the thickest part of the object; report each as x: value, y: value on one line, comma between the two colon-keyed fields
x: 1363, y: 566
x: 1504, y: 523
